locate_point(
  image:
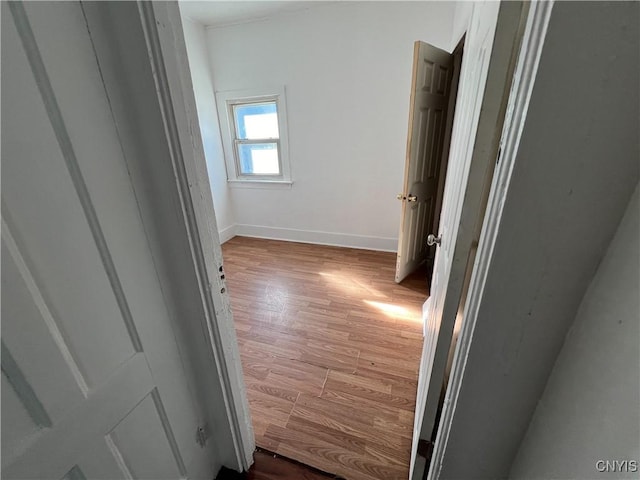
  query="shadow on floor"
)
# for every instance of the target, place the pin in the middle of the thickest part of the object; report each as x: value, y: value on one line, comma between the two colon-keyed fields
x: 270, y: 466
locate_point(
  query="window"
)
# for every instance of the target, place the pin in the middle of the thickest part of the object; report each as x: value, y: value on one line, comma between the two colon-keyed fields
x: 254, y: 136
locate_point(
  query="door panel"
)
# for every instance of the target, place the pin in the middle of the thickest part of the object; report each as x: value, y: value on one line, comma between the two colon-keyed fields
x: 145, y: 459
x: 40, y: 204
x: 54, y: 373
x: 93, y: 379
x: 485, y: 80
x: 431, y: 84
x: 432, y: 371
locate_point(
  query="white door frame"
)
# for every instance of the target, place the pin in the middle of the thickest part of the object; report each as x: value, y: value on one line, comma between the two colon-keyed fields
x: 521, y: 89
x: 493, y: 44
x: 167, y: 53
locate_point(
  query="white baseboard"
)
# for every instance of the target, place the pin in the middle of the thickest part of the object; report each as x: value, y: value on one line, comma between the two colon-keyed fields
x: 383, y: 244
x: 227, y: 233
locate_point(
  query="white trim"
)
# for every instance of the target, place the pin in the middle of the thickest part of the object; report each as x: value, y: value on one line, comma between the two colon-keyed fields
x: 425, y: 315
x: 522, y: 86
x: 384, y: 244
x: 264, y: 184
x: 167, y: 52
x: 225, y: 101
x: 227, y: 234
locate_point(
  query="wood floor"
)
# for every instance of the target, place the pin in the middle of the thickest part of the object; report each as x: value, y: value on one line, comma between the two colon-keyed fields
x: 330, y: 349
x: 267, y: 466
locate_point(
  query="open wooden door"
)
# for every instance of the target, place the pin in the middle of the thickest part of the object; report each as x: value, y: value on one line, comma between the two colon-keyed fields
x: 95, y: 381
x: 491, y: 48
x: 430, y: 90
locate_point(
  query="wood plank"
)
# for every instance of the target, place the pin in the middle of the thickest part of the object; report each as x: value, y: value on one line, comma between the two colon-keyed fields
x: 327, y: 434
x: 363, y: 394
x: 274, y: 409
x: 330, y: 348
x: 268, y: 466
x: 321, y: 454
x: 352, y: 421
x: 358, y: 380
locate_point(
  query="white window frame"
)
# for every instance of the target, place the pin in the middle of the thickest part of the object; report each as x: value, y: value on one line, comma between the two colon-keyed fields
x: 225, y: 101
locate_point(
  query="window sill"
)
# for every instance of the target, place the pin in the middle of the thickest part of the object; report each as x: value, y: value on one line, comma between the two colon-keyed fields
x: 264, y: 184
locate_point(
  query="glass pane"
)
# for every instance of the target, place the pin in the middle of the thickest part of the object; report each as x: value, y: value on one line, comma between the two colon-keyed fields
x: 258, y: 159
x: 255, y: 121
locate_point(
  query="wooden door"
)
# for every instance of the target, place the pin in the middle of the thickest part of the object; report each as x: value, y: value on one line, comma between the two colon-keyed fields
x: 94, y: 384
x: 491, y: 46
x: 431, y: 368
x: 430, y: 89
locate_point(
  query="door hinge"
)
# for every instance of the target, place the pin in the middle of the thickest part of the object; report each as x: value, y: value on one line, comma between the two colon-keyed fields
x: 202, y: 434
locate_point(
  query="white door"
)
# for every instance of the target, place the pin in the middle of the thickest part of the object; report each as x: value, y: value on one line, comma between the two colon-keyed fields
x: 93, y: 383
x: 485, y: 79
x: 430, y: 373
x: 430, y: 88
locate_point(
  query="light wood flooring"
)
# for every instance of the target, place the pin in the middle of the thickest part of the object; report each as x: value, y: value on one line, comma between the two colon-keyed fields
x: 330, y: 349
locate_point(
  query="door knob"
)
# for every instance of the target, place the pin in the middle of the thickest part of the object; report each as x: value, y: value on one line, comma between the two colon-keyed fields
x: 433, y: 240
x: 412, y: 198
x: 400, y: 197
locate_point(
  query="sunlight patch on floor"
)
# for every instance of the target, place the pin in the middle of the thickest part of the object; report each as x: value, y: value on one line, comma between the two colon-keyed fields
x: 350, y: 284
x: 396, y: 311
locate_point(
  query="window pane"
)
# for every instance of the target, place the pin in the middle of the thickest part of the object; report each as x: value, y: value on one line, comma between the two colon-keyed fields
x: 256, y: 120
x: 258, y: 159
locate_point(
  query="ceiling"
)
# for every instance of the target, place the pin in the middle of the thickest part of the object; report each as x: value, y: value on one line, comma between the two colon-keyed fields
x: 218, y: 13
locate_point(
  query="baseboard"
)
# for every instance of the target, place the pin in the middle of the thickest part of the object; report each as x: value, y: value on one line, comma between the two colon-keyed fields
x: 383, y: 244
x: 227, y: 233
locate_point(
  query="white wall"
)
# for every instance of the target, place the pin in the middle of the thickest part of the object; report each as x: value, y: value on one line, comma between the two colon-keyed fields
x: 461, y: 17
x: 576, y: 168
x: 347, y: 72
x: 195, y: 39
x: 589, y: 410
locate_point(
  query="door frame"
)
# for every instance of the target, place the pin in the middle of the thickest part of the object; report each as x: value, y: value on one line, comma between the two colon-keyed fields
x: 516, y: 111
x: 471, y: 176
x: 164, y: 35
x: 168, y: 56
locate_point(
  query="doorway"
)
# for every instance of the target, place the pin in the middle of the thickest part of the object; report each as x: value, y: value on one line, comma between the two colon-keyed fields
x: 434, y: 88
x: 474, y: 96
x: 330, y: 345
